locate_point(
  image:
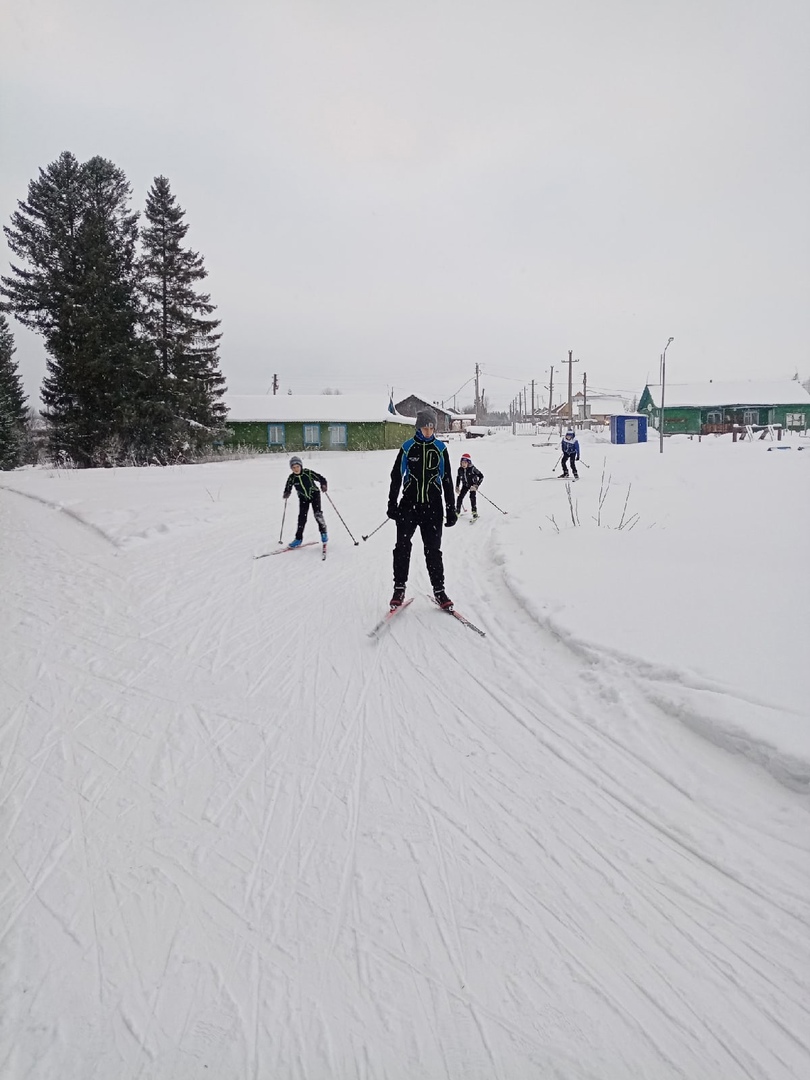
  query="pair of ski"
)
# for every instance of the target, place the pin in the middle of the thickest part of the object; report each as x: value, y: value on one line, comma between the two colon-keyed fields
x: 282, y: 550
x: 389, y: 615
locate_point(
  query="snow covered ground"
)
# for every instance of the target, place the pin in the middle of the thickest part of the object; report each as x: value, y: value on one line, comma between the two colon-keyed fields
x: 242, y: 839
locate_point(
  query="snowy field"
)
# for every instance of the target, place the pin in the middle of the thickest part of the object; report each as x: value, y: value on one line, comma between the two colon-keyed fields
x: 241, y: 839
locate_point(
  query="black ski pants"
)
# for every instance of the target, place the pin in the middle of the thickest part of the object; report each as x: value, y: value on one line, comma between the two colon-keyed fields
x: 428, y: 518
x: 565, y: 460
x: 462, y: 495
x: 303, y: 510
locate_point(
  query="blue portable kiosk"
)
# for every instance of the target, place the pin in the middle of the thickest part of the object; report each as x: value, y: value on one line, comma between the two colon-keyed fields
x: 628, y: 428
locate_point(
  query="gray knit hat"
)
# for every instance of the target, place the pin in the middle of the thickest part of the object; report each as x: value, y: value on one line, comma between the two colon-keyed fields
x: 426, y: 418
x: 294, y: 460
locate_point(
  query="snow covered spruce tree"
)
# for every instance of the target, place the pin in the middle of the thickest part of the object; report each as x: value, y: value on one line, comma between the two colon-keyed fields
x: 177, y: 322
x: 12, y: 403
x: 77, y: 237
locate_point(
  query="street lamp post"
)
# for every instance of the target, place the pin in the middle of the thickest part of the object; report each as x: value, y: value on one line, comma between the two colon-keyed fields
x: 663, y: 388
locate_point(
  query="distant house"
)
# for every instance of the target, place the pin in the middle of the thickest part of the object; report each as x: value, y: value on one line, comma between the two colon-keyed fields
x: 599, y: 408
x: 704, y: 408
x: 561, y: 412
x: 460, y: 421
x: 411, y: 405
x: 289, y: 422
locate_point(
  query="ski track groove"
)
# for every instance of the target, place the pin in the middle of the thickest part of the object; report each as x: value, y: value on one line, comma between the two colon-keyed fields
x: 624, y: 751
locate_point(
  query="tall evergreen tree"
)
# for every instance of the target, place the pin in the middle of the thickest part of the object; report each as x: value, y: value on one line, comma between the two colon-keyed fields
x: 77, y: 236
x: 12, y: 402
x: 177, y: 319
x: 43, y: 234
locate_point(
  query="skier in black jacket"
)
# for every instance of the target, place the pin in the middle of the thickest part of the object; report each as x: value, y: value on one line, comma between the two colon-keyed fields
x: 303, y: 480
x: 469, y: 479
x: 423, y: 471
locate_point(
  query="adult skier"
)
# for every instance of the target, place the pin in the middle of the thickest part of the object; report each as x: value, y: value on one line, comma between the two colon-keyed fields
x: 570, y: 453
x: 469, y: 479
x: 422, y: 469
x: 305, y: 483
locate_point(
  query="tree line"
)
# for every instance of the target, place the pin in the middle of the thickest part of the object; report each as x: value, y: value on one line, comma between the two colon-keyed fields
x: 132, y: 348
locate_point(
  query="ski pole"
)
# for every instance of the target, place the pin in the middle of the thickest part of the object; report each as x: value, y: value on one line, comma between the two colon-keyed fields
x: 585, y: 463
x: 556, y: 463
x: 377, y: 529
x: 345, y: 526
x: 491, y: 503
x: 281, y: 534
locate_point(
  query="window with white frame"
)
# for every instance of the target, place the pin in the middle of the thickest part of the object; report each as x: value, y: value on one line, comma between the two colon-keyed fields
x: 714, y: 417
x: 312, y: 434
x: 337, y: 435
x: 750, y: 416
x: 794, y: 419
x: 275, y: 434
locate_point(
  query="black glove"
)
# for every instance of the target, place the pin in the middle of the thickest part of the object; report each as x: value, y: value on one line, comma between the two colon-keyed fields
x: 286, y: 495
x: 324, y: 487
x: 452, y: 517
x: 392, y: 511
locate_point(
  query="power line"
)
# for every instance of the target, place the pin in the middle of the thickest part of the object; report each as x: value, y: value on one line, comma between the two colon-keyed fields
x: 509, y: 378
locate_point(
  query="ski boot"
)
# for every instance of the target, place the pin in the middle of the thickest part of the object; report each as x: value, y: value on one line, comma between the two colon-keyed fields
x: 442, y: 599
x: 295, y: 543
x: 398, y: 599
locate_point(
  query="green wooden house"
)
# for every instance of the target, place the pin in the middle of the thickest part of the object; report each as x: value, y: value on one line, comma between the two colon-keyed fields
x: 289, y: 422
x: 720, y: 407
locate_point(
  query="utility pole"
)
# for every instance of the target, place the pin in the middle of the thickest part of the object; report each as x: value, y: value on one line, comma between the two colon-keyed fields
x: 584, y: 396
x: 532, y: 400
x: 663, y: 387
x: 477, y: 400
x: 571, y: 362
x: 550, y: 394
x: 275, y: 384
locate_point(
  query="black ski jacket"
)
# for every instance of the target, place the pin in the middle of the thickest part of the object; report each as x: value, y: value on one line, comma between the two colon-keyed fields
x: 424, y: 472
x: 304, y: 484
x: 468, y: 477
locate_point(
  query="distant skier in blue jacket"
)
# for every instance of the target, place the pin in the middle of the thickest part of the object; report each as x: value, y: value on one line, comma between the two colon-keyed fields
x: 570, y: 453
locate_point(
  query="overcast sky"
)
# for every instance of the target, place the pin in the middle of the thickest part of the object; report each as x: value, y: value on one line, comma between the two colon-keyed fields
x: 386, y: 194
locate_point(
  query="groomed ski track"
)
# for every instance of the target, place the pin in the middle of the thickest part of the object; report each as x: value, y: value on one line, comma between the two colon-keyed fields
x: 243, y: 840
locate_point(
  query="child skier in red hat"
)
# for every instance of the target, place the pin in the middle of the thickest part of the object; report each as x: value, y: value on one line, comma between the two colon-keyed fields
x: 468, y: 478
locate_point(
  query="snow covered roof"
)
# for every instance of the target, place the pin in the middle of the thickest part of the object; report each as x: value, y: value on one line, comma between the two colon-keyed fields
x: 429, y: 402
x: 312, y: 409
x: 605, y: 405
x: 709, y: 394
